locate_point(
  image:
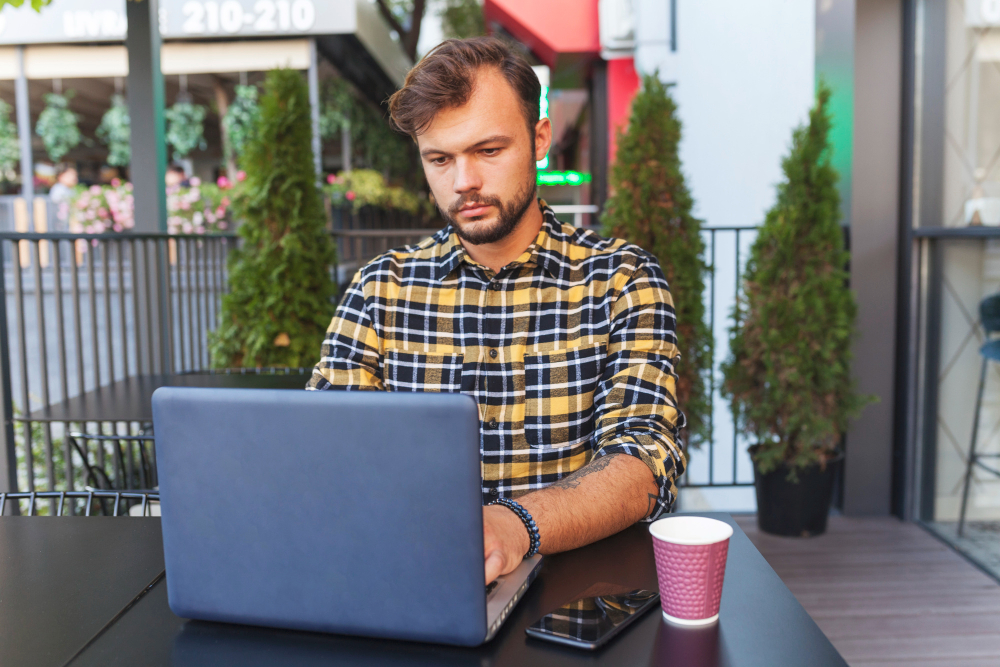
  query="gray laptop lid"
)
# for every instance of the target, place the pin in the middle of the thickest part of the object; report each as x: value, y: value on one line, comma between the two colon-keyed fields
x: 348, y: 512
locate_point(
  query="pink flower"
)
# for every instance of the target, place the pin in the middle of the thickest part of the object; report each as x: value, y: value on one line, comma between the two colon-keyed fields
x: 223, y: 224
x: 350, y: 195
x: 241, y: 175
x: 220, y: 212
x: 225, y: 201
x: 95, y: 189
x: 103, y: 212
x: 194, y: 181
x: 223, y: 182
x: 117, y: 227
x: 115, y: 182
x: 332, y: 178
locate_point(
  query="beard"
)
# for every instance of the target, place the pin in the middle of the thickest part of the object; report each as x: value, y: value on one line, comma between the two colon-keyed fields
x: 509, y: 214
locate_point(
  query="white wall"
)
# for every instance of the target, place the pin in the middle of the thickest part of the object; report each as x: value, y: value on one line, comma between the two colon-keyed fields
x: 744, y: 75
x: 745, y: 78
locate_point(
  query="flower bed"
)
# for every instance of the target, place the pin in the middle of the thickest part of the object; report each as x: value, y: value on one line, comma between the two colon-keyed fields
x: 366, y: 187
x: 100, y: 209
x: 199, y: 208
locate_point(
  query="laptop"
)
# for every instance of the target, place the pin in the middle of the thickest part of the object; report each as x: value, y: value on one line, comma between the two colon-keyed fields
x: 357, y: 513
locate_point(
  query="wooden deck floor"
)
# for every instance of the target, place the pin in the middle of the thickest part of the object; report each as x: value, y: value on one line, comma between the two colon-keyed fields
x: 887, y: 593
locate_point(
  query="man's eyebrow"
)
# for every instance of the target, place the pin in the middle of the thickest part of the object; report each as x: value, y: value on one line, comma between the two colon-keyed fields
x: 495, y: 139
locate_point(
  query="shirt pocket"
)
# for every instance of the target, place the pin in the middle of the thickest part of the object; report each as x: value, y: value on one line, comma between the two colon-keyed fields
x: 559, y: 396
x: 412, y: 371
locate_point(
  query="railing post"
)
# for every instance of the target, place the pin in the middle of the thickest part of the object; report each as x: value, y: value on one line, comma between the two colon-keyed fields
x: 8, y: 452
x: 163, y: 298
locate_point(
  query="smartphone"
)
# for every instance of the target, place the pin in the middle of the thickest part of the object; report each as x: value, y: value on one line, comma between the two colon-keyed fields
x: 590, y: 622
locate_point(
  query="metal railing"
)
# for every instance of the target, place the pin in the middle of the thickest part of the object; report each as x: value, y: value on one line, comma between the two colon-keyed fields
x: 122, y: 499
x: 724, y: 460
x: 81, y: 311
x: 367, y: 232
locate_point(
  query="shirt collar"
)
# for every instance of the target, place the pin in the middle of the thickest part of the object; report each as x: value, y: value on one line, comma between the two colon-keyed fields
x: 543, y: 252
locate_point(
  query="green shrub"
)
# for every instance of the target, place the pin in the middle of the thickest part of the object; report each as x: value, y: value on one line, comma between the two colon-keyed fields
x: 185, y: 128
x: 57, y: 126
x: 789, y: 373
x: 115, y: 132
x: 650, y: 206
x: 366, y: 187
x: 281, y: 292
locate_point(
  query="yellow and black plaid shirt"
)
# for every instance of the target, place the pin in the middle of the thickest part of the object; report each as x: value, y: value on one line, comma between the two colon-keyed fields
x: 569, y: 350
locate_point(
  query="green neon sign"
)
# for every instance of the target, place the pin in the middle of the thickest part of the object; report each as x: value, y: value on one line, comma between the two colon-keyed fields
x: 562, y: 178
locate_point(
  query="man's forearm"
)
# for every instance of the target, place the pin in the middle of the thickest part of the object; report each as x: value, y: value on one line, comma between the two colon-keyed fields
x: 600, y: 499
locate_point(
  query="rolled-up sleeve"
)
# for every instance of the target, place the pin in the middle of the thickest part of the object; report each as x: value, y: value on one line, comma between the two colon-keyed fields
x: 636, y: 410
x: 350, y: 358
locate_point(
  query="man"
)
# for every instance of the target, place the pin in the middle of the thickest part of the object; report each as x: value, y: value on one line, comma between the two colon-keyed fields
x: 176, y: 177
x: 565, y: 339
x: 66, y: 180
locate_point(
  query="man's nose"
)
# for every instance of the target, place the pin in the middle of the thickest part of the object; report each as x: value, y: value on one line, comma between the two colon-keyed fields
x: 466, y: 176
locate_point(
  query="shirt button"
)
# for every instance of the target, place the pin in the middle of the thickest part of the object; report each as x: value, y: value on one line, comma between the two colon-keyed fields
x: 494, y: 492
x: 493, y: 354
x: 494, y: 286
x: 493, y: 423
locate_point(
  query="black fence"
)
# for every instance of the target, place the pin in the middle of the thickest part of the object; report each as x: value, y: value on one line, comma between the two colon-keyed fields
x: 85, y: 311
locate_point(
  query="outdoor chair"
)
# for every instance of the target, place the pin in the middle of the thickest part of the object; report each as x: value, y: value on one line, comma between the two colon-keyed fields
x: 122, y: 501
x: 989, y: 315
x: 133, y: 460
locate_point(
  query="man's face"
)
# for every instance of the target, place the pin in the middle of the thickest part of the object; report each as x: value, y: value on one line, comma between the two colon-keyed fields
x: 479, y: 159
x: 69, y: 178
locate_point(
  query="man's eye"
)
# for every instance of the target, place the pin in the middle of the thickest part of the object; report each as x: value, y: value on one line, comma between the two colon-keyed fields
x: 490, y: 152
x: 438, y: 161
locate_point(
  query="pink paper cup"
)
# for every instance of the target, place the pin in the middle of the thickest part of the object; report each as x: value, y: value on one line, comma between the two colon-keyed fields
x: 690, y: 565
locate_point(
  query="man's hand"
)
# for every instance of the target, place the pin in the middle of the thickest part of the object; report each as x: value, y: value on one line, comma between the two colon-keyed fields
x: 505, y: 541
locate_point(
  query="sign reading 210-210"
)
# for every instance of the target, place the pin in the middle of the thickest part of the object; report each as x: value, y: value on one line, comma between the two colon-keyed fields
x: 104, y: 20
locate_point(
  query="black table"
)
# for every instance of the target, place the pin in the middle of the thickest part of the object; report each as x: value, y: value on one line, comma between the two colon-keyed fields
x: 129, y: 400
x: 62, y: 580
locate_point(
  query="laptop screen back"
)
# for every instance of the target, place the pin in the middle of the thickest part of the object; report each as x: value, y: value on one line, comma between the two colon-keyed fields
x: 348, y: 512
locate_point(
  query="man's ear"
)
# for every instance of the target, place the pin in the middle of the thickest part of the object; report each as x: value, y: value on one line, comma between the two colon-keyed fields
x: 543, y: 138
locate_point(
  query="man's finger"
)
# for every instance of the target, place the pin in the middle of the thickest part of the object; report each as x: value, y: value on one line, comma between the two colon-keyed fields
x: 494, y: 566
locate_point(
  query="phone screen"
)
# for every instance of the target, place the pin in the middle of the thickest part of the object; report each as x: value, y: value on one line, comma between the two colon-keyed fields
x: 589, y: 622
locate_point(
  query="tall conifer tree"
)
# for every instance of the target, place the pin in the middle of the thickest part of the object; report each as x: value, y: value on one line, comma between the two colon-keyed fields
x: 789, y: 373
x: 650, y: 206
x: 281, y: 291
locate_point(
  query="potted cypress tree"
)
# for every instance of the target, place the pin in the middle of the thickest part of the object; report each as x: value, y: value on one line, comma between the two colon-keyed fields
x: 281, y: 291
x: 788, y: 376
x: 650, y: 206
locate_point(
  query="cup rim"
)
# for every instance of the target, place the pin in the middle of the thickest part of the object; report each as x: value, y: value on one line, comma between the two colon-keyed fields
x: 711, y: 531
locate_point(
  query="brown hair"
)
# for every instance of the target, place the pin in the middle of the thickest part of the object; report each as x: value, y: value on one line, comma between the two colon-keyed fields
x: 444, y: 79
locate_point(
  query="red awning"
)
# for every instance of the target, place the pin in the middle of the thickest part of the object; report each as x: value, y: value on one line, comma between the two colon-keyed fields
x: 550, y: 28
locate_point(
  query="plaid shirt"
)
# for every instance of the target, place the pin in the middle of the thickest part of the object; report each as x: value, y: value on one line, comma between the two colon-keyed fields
x: 569, y: 351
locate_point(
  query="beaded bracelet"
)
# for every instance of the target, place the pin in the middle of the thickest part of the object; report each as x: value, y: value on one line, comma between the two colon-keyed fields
x: 529, y: 523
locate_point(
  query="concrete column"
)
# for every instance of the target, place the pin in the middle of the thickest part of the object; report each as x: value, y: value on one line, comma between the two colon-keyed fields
x: 145, y: 106
x: 874, y: 243
x: 23, y: 113
x: 313, y: 76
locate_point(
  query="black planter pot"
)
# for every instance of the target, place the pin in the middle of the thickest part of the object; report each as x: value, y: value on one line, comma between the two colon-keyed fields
x: 795, y: 509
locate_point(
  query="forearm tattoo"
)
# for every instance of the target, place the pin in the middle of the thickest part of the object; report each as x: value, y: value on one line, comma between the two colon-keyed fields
x: 572, y: 480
